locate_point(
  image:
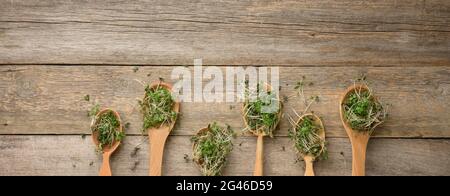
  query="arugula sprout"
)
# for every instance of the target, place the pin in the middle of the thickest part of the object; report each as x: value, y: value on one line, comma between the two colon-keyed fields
x: 86, y: 97
x: 211, y: 148
x: 363, y: 111
x: 107, y: 127
x: 262, y: 111
x: 307, y: 140
x: 157, y: 107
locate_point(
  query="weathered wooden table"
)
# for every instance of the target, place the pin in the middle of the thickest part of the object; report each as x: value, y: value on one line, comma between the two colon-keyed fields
x: 54, y: 53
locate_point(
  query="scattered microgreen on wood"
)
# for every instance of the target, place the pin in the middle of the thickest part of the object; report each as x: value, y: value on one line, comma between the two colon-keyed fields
x: 127, y: 125
x: 135, y: 69
x: 86, y: 97
x: 211, y: 148
x: 299, y: 88
x: 262, y: 110
x: 186, y: 158
x: 157, y: 107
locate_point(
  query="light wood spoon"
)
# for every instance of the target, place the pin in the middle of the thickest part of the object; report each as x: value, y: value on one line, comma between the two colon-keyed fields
x: 309, y: 159
x: 358, y: 139
x: 105, y: 169
x: 259, y: 161
x: 158, y: 136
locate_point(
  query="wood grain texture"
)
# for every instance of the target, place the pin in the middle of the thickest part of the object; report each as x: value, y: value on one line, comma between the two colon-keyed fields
x: 249, y: 32
x: 49, y: 52
x: 49, y: 99
x: 73, y: 155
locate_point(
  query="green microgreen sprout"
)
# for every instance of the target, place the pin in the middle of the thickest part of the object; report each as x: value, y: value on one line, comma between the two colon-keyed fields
x: 135, y: 69
x: 362, y: 110
x: 107, y: 127
x: 211, y: 148
x: 157, y: 107
x: 93, y: 111
x: 306, y: 137
x: 86, y: 97
x: 261, y: 110
x: 299, y: 88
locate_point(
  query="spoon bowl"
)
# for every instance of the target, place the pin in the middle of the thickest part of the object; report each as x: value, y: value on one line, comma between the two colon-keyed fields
x: 107, y: 150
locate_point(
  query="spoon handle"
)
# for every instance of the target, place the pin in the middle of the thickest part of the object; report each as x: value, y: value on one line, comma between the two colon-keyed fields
x: 259, y: 156
x: 359, y: 147
x: 157, y: 139
x: 309, y: 170
x: 105, y: 169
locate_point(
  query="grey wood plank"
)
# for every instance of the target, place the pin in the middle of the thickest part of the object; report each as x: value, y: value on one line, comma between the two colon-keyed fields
x: 254, y: 32
x: 49, y: 99
x: 74, y: 155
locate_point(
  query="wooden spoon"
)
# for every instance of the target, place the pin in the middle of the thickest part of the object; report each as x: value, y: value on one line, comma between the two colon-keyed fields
x: 358, y: 139
x: 105, y: 169
x: 309, y: 159
x: 259, y: 161
x: 158, y: 136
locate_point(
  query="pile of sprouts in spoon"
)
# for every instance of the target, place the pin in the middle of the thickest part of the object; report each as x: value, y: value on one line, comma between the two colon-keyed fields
x: 261, y: 109
x: 157, y: 107
x: 362, y: 110
x: 211, y: 148
x: 306, y: 137
x: 107, y: 127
